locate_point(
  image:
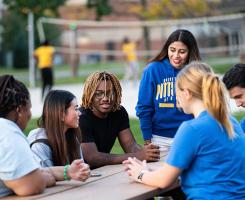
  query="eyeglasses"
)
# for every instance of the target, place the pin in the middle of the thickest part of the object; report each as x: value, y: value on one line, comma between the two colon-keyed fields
x: 101, y: 94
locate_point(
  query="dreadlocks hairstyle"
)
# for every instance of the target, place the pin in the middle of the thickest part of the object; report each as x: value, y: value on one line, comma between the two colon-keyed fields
x: 64, y: 148
x: 92, y: 83
x: 200, y: 80
x: 13, y: 93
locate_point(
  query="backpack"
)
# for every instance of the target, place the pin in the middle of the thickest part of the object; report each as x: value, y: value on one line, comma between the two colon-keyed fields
x: 43, y: 140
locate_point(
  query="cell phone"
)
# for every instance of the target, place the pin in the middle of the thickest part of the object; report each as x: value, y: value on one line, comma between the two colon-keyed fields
x: 95, y: 174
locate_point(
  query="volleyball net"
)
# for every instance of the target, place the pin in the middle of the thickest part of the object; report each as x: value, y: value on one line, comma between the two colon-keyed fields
x: 221, y: 39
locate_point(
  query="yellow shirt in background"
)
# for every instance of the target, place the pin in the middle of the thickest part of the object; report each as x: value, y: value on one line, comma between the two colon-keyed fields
x: 44, y: 55
x: 130, y: 51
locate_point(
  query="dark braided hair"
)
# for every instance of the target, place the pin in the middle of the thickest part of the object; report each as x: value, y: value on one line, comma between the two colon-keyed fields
x: 13, y: 93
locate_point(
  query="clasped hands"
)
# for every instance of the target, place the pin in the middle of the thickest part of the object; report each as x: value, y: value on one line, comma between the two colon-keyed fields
x: 135, y: 167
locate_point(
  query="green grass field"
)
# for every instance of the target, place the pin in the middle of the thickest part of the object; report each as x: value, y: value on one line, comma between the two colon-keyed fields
x: 135, y: 127
x: 63, y: 73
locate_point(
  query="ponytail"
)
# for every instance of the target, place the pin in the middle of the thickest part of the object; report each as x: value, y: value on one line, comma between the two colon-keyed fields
x: 215, y: 101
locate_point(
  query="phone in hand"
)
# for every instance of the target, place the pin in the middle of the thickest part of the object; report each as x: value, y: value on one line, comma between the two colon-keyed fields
x: 95, y: 174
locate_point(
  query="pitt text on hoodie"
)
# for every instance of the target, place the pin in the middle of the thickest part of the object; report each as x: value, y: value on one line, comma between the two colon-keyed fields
x: 165, y: 92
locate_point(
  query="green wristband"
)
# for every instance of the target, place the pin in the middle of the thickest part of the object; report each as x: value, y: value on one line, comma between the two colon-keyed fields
x: 66, y: 178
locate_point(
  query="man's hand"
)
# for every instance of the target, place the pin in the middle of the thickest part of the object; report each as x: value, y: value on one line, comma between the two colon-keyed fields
x: 150, y: 152
x: 146, y: 142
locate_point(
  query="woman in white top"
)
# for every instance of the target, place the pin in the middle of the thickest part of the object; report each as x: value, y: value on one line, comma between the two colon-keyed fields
x: 56, y: 141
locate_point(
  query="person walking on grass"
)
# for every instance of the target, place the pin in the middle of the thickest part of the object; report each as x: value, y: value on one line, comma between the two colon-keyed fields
x: 44, y: 56
x: 132, y: 68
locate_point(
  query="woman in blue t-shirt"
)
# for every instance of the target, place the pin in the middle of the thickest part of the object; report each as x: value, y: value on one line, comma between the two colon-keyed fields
x: 208, y: 151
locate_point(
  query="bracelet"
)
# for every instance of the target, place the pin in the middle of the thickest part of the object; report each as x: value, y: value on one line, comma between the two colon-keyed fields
x: 66, y: 178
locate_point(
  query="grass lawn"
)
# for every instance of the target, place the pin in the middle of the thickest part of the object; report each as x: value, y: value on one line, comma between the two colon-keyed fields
x: 62, y: 73
x: 135, y: 127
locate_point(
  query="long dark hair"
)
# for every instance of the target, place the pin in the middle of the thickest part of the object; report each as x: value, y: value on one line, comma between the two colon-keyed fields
x: 187, y: 38
x: 13, y: 93
x: 64, y: 148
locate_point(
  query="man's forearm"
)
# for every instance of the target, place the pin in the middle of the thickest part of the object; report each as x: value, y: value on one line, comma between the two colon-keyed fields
x: 103, y: 159
x: 134, y: 148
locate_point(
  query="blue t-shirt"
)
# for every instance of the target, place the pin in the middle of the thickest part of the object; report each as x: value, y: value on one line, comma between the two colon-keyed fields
x: 156, y: 106
x: 16, y: 157
x: 242, y: 123
x: 213, y: 165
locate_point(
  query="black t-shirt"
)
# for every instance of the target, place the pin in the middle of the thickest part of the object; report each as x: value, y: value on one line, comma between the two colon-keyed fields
x: 103, y: 132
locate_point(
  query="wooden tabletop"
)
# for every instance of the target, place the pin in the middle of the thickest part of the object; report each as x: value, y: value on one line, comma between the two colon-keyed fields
x: 113, y: 184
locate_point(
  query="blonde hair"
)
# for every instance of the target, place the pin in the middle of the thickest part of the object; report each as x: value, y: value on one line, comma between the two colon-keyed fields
x: 92, y: 83
x: 201, y: 81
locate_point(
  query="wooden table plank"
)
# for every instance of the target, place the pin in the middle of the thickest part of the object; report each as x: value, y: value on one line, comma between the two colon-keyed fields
x: 113, y: 187
x: 116, y: 186
x: 65, y: 187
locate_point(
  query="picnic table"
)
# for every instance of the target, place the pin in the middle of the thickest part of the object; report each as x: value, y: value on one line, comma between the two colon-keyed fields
x: 113, y: 184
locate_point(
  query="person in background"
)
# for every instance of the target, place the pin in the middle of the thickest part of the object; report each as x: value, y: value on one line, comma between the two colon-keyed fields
x: 156, y: 107
x: 132, y: 69
x: 18, y: 167
x: 208, y: 151
x: 44, y: 57
x: 103, y: 119
x: 56, y: 141
x: 234, y: 80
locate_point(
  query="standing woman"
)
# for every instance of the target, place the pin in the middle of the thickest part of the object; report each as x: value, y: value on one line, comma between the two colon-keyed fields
x: 208, y: 151
x: 56, y: 141
x: 18, y: 168
x: 156, y: 108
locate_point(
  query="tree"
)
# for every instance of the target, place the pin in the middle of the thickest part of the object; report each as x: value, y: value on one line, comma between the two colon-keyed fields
x: 102, y: 7
x: 38, y: 7
x: 14, y: 40
x: 174, y: 9
x: 15, y: 23
x: 146, y: 29
x: 169, y: 9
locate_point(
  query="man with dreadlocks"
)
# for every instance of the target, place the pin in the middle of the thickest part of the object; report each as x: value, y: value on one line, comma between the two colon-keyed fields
x: 103, y: 120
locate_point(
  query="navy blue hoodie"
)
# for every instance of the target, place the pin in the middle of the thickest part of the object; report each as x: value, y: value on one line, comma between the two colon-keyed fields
x: 156, y: 106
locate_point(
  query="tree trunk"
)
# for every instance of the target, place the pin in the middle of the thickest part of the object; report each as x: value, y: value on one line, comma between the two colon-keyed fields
x: 146, y: 33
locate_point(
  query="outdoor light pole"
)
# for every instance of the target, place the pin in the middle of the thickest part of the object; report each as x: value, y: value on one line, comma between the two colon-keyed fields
x: 31, y: 49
